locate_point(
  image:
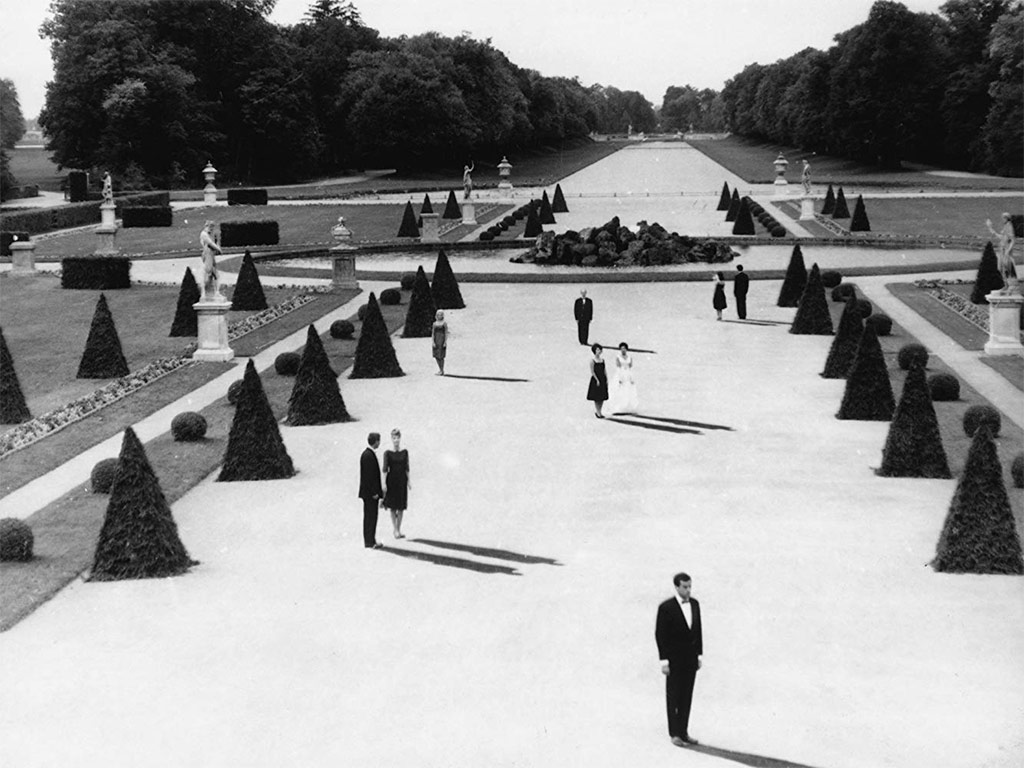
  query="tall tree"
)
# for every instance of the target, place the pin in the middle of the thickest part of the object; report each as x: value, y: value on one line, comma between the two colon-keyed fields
x: 12, y: 128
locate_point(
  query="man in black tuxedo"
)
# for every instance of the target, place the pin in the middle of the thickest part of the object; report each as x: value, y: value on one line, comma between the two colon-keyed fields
x: 680, y: 646
x: 370, y: 490
x: 740, y: 284
x: 584, y: 312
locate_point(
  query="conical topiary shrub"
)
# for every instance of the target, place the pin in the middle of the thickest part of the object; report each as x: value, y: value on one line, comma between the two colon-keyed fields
x: 812, y: 315
x: 533, y: 226
x: 451, y: 208
x: 408, y: 227
x: 375, y: 354
x: 859, y: 222
x: 734, y: 206
x: 255, y: 449
x: 913, y: 447
x: 139, y: 538
x: 558, y: 204
x: 13, y: 409
x: 980, y: 535
x: 830, y: 202
x: 725, y: 198
x: 844, y: 345
x: 102, y: 357
x: 426, y: 207
x: 419, y: 318
x: 840, y: 211
x: 315, y: 398
x: 544, y: 212
x: 445, y: 288
x: 248, y: 293
x: 988, y: 278
x: 868, y: 393
x: 186, y: 321
x: 795, y: 281
x: 744, y: 224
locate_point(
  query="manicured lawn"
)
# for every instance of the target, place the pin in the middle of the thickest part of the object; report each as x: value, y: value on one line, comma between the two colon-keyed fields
x: 934, y: 216
x: 32, y: 165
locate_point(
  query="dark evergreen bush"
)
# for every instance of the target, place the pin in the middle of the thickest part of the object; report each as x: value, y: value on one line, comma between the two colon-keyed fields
x: 419, y: 319
x: 865, y: 308
x: 812, y: 315
x: 95, y: 273
x: 235, y: 233
x: 912, y: 354
x: 444, y: 287
x: 980, y: 534
x: 426, y: 207
x: 778, y: 231
x: 316, y: 397
x: 988, y: 278
x: 78, y: 186
x: 844, y: 291
x: 1017, y: 470
x: 16, y: 540
x: 6, y: 238
x: 558, y: 204
x: 913, y: 447
x: 147, y: 216
x: 375, y: 355
x: 361, y: 313
x: 13, y: 409
x: 102, y: 357
x: 408, y: 281
x: 255, y: 449
x: 859, y: 222
x: 486, y: 236
x: 982, y: 415
x: 744, y: 224
x: 544, y: 212
x: 830, y: 202
x: 186, y: 320
x: 725, y: 198
x: 795, y: 281
x: 944, y: 387
x: 139, y: 538
x: 248, y: 294
x: 881, y: 323
x: 287, y: 363
x: 451, y: 208
x: 234, y: 390
x: 830, y: 278
x: 188, y: 427
x: 734, y: 207
x: 342, y: 329
x: 390, y: 297
x: 533, y: 226
x: 844, y: 345
x: 408, y: 227
x: 102, y: 476
x: 868, y: 395
x: 247, y: 197
x: 840, y: 211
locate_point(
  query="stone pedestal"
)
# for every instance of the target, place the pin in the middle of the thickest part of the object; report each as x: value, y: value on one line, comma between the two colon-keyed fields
x: 213, y: 330
x: 23, y: 257
x: 343, y: 271
x: 504, y: 185
x: 468, y: 213
x: 807, y: 208
x: 430, y: 232
x: 105, y: 245
x: 209, y: 191
x: 1004, y: 323
x: 107, y: 212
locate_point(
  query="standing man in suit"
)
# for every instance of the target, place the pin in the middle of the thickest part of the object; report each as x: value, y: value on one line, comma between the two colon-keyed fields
x: 370, y: 490
x: 584, y: 312
x: 680, y: 646
x: 739, y: 289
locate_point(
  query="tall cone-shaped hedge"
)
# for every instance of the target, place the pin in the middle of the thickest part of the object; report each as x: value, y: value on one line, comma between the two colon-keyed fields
x: 426, y: 207
x: 979, y: 535
x: 744, y: 224
x: 315, y: 398
x: 533, y: 226
x: 375, y: 354
x: 558, y: 204
x: 544, y: 212
x: 812, y: 315
x: 255, y: 449
x: 913, y: 447
x: 841, y: 211
x: 725, y: 198
x: 408, y: 227
x: 13, y: 409
x: 734, y: 206
x: 795, y: 281
x: 859, y: 222
x: 445, y: 288
x: 451, y: 208
x: 868, y: 393
x: 248, y: 293
x: 186, y: 321
x: 830, y: 202
x: 419, y: 318
x: 103, y: 357
x: 139, y: 538
x: 988, y: 278
x: 844, y: 345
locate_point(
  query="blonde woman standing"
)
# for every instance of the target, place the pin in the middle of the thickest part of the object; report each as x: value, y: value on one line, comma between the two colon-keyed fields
x: 439, y: 335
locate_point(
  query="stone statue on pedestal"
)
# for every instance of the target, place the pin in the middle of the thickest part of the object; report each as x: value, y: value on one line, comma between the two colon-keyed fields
x: 1005, y: 253
x: 108, y: 188
x: 211, y: 281
x: 467, y: 180
x: 805, y: 178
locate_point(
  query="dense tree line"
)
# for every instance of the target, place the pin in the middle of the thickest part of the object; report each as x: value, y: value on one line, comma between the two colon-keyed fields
x: 151, y: 90
x: 686, y: 108
x: 12, y: 128
x: 944, y: 89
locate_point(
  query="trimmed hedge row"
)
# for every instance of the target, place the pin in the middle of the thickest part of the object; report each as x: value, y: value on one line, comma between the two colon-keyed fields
x: 769, y: 222
x: 36, y: 222
x: 234, y: 233
x: 247, y: 197
x: 147, y: 216
x: 95, y: 272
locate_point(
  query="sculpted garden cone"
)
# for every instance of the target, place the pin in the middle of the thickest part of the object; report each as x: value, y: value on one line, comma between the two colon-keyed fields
x: 186, y: 321
x: 102, y: 357
x: 913, y: 447
x: 316, y: 397
x: 812, y: 315
x: 255, y: 449
x: 375, y: 354
x: 13, y: 409
x: 795, y: 280
x: 868, y: 394
x: 419, y: 318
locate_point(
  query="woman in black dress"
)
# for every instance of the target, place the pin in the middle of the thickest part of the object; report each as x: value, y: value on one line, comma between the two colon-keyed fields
x: 598, y: 389
x: 396, y: 479
x: 719, y: 299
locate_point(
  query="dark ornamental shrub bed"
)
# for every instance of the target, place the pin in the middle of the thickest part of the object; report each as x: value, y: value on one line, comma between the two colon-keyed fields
x: 390, y: 297
x: 95, y: 273
x: 912, y: 354
x: 102, y: 475
x: 16, y: 541
x: 978, y: 416
x: 147, y: 216
x: 342, y: 329
x: 287, y: 363
x: 944, y: 387
x: 247, y: 197
x: 188, y: 427
x: 881, y: 323
x: 235, y: 233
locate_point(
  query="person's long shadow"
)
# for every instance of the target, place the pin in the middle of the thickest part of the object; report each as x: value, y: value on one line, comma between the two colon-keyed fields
x: 497, y: 554
x: 756, y: 322
x: 483, y: 378
x: 746, y: 758
x: 683, y: 422
x: 676, y: 426
x: 655, y: 427
x: 452, y: 562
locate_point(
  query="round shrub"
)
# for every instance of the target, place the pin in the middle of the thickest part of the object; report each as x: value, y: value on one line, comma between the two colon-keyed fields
x: 342, y: 329
x: 843, y: 291
x: 977, y: 415
x: 944, y: 387
x: 487, y: 236
x: 15, y: 540
x: 234, y: 391
x: 287, y: 363
x: 830, y: 278
x: 882, y: 324
x: 407, y: 282
x: 361, y: 313
x: 188, y: 427
x: 864, y: 308
x: 390, y: 297
x: 102, y: 476
x: 1017, y: 470
x: 911, y: 354
x: 778, y: 230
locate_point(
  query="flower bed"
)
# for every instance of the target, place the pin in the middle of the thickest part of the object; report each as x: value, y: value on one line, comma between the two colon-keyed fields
x: 973, y: 313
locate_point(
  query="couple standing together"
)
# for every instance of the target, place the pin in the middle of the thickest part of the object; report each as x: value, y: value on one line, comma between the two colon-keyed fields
x: 623, y: 397
x: 393, y: 494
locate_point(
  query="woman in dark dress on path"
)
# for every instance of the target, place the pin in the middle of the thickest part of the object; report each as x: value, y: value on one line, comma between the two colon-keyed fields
x: 396, y: 479
x: 719, y: 299
x: 598, y: 389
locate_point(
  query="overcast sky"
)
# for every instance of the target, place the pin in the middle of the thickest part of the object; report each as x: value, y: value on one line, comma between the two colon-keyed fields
x: 641, y: 45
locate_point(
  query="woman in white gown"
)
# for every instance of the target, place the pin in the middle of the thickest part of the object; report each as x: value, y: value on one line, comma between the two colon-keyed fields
x: 623, y: 397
